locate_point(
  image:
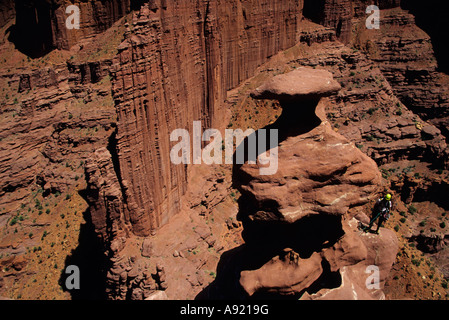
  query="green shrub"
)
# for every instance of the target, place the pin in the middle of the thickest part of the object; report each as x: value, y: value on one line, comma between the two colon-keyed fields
x: 412, y: 209
x: 13, y: 221
x: 38, y: 204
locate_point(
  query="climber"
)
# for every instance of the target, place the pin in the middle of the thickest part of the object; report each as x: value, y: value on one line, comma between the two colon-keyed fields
x: 382, y: 210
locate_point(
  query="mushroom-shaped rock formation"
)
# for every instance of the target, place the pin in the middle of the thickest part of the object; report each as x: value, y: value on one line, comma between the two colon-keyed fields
x: 299, y: 85
x: 298, y: 93
x: 319, y: 170
x: 304, y: 205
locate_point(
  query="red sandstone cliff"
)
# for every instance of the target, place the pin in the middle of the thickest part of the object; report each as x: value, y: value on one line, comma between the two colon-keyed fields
x: 406, y: 57
x: 338, y: 14
x: 40, y: 25
x: 175, y: 65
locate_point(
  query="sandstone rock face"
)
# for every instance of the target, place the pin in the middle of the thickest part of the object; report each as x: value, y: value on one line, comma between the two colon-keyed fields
x: 334, y: 173
x: 41, y: 26
x: 105, y: 196
x: 406, y: 57
x: 282, y: 274
x: 7, y: 12
x: 169, y: 74
x: 338, y: 14
x: 367, y: 112
x: 174, y: 66
x: 47, y: 133
x: 303, y: 208
x: 303, y: 83
x: 52, y: 120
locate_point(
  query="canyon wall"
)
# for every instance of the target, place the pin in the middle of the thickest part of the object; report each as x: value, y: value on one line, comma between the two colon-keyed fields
x: 406, y: 56
x: 7, y: 12
x: 175, y: 66
x: 338, y: 14
x: 40, y: 26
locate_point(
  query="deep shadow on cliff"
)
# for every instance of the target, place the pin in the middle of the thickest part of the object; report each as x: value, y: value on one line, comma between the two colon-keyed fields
x: 431, y: 16
x: 31, y: 34
x: 90, y: 259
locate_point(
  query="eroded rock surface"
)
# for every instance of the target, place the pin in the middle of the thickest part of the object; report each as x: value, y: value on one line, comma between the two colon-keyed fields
x: 174, y: 65
x: 304, y: 206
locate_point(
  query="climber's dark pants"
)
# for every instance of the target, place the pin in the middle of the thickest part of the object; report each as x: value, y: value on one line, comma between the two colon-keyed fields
x: 379, y: 223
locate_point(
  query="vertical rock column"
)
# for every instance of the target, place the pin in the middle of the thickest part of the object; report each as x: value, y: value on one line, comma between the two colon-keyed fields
x: 174, y: 67
x: 300, y: 213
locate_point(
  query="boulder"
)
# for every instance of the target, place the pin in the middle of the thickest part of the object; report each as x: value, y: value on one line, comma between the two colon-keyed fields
x: 283, y: 274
